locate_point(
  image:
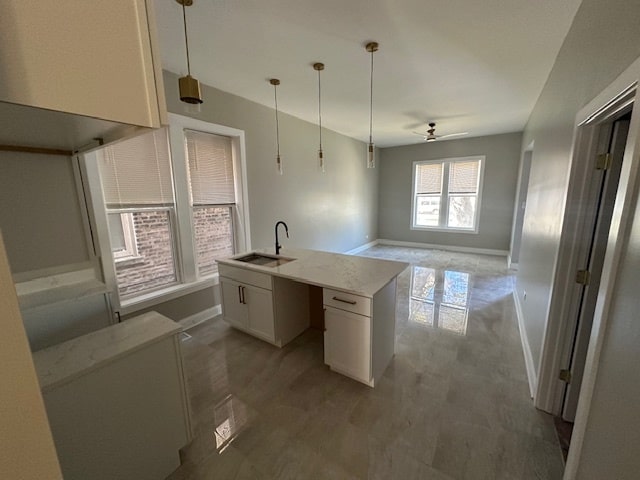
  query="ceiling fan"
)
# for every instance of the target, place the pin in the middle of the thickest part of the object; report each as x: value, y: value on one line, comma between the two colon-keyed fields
x: 431, y: 136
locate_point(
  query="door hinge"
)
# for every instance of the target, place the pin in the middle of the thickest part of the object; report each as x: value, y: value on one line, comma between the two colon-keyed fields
x: 583, y: 277
x: 603, y: 161
x: 565, y: 376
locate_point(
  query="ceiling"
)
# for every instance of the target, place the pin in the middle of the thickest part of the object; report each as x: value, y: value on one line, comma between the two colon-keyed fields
x: 470, y: 66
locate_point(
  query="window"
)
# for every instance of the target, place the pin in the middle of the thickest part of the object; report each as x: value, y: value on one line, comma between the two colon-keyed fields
x: 211, y: 183
x: 136, y: 182
x: 165, y: 205
x: 446, y: 194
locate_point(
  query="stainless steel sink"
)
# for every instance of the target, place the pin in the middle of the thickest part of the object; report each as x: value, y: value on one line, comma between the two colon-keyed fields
x: 264, y: 260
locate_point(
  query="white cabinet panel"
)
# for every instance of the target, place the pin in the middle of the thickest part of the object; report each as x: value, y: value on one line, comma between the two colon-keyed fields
x: 234, y: 311
x: 347, y: 301
x: 347, y: 343
x: 260, y: 312
x: 87, y: 58
x: 248, y: 308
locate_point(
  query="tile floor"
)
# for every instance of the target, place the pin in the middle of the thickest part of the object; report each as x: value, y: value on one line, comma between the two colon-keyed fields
x: 453, y: 404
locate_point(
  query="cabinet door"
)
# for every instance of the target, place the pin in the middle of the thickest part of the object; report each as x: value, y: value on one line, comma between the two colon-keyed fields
x: 233, y: 310
x: 87, y: 58
x: 260, y: 304
x: 347, y: 343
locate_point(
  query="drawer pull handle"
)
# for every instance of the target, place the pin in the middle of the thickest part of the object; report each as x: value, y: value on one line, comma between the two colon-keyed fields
x: 350, y: 302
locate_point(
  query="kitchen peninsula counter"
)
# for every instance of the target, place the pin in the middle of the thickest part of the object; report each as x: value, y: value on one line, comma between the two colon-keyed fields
x: 349, y: 273
x: 351, y: 299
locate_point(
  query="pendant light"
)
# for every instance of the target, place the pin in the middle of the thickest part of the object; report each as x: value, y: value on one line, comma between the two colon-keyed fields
x: 319, y: 67
x: 371, y: 47
x: 189, y: 87
x: 275, y: 82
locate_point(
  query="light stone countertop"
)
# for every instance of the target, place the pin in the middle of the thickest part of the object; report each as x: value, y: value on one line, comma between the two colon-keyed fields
x: 59, y: 364
x: 349, y: 273
x: 64, y: 287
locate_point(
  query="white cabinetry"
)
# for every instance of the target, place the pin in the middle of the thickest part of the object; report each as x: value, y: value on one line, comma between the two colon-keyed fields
x: 271, y: 308
x: 359, y: 337
x: 347, y: 343
x: 97, y: 59
x: 248, y: 307
x: 347, y: 335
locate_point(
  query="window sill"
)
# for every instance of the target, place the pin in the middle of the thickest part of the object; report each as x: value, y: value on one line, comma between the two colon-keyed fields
x: 446, y: 230
x: 156, y: 297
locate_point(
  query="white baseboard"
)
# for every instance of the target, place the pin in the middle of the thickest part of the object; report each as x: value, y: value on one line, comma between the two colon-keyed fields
x: 451, y: 248
x: 511, y: 265
x: 526, y: 349
x: 197, y: 318
x: 361, y: 248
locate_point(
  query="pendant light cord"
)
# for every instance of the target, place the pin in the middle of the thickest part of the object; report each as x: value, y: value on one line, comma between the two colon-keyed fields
x: 275, y: 96
x: 371, y: 102
x: 319, y: 110
x: 186, y: 40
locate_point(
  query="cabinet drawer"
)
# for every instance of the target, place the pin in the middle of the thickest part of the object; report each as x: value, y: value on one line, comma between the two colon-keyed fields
x: 242, y: 275
x: 347, y: 301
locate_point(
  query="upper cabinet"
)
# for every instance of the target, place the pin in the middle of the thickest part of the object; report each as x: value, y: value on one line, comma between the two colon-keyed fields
x: 85, y: 57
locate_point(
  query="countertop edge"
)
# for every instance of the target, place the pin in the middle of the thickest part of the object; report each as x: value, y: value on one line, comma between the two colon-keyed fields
x: 75, y: 359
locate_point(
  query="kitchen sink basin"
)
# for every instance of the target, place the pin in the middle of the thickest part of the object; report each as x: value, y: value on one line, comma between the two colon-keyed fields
x: 264, y: 260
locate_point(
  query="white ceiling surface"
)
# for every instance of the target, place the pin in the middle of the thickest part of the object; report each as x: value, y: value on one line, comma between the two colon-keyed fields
x: 471, y: 66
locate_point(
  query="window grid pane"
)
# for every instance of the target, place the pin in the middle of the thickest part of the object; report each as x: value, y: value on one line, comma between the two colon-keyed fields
x: 429, y: 178
x: 463, y: 177
x: 210, y: 162
x: 154, y: 266
x: 462, y: 211
x: 428, y: 210
x: 213, y: 231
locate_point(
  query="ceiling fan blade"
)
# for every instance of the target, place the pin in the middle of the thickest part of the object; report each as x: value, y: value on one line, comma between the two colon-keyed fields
x: 452, y: 134
x: 421, y: 134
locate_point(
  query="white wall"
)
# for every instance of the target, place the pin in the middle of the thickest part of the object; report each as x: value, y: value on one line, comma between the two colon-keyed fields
x: 335, y: 211
x: 603, y: 40
x: 502, y: 154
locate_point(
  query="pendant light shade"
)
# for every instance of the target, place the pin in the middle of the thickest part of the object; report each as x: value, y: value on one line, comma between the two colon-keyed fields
x: 275, y: 82
x: 188, y: 86
x: 321, y: 165
x: 371, y: 47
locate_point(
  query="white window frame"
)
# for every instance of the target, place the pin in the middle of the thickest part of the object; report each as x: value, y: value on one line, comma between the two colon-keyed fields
x: 444, y: 195
x: 182, y: 220
x: 130, y: 249
x: 240, y: 211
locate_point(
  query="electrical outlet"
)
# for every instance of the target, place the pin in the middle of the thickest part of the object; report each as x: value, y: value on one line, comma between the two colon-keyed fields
x: 524, y: 295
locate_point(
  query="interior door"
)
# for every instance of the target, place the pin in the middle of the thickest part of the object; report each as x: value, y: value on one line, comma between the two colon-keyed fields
x: 596, y: 235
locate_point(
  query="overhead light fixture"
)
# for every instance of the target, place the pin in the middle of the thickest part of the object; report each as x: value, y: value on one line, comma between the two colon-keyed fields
x: 319, y: 67
x: 188, y: 86
x: 275, y: 82
x: 371, y: 47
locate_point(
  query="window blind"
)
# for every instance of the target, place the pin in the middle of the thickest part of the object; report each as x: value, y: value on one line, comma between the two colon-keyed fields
x: 137, y: 171
x: 429, y: 178
x: 210, y: 168
x: 463, y: 177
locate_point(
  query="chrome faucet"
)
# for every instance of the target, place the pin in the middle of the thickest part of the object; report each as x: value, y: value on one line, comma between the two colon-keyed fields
x: 286, y: 229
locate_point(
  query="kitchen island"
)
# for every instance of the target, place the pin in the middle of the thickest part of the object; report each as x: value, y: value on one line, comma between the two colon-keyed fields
x: 351, y: 298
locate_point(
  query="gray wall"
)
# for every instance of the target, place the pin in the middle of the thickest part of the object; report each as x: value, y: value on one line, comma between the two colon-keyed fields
x: 603, y: 41
x: 40, y: 215
x: 336, y: 211
x: 500, y: 178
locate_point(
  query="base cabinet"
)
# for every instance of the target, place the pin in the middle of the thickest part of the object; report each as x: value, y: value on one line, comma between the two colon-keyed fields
x: 248, y: 307
x: 347, y: 343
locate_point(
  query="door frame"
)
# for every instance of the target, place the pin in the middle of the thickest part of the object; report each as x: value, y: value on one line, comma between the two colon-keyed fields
x: 549, y: 389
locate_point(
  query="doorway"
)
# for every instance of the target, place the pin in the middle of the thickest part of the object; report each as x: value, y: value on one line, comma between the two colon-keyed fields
x: 520, y: 207
x: 602, y: 194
